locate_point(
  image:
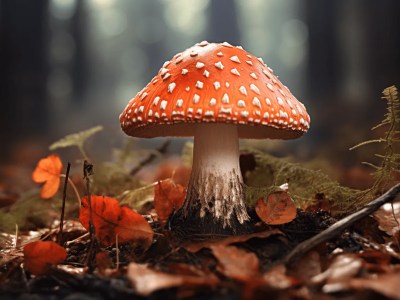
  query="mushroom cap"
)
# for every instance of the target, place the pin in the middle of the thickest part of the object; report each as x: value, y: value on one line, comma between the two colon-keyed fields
x: 215, y: 83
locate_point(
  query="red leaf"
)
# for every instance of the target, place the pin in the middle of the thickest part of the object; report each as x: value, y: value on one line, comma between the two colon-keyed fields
x: 38, y: 256
x: 48, y: 170
x: 278, y: 209
x: 110, y: 220
x: 168, y: 197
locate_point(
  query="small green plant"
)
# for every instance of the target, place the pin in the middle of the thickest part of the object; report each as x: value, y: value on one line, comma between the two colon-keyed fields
x: 385, y: 174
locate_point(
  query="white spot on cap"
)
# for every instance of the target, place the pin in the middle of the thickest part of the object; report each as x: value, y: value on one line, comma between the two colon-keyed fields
x: 257, y: 112
x: 199, y: 65
x: 139, y: 119
x: 256, y: 102
x: 179, y: 60
x: 280, y: 90
x: 163, y: 71
x: 217, y: 85
x: 234, y: 71
x: 213, y: 101
x: 171, y: 87
x: 299, y: 109
x: 225, y: 98
x: 260, y: 59
x: 266, y: 73
x: 226, y: 44
x: 144, y: 95
x: 243, y: 90
x: 290, y: 103
x: 280, y: 101
x: 235, y: 59
x: 150, y: 113
x: 141, y: 108
x: 227, y: 110
x: 199, y: 84
x: 254, y: 88
x: 156, y: 114
x: 220, y: 54
x: 187, y: 89
x: 227, y: 84
x: 184, y: 71
x: 239, y: 47
x: 209, y: 113
x: 166, y: 76
x: 244, y: 114
x: 196, y: 98
x: 249, y: 62
x: 199, y: 111
x: 193, y: 53
x: 163, y: 104
x: 219, y: 65
x: 155, y: 101
x: 270, y: 86
x: 267, y: 101
x: 294, y: 112
x: 179, y: 103
x: 241, y: 103
x: 203, y: 43
x: 166, y: 63
x: 190, y: 110
x: 206, y: 74
x: 253, y: 75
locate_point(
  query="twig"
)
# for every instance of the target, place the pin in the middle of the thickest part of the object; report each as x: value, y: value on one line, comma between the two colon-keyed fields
x: 59, y: 237
x: 339, y: 226
x: 162, y: 150
x: 117, y: 251
x: 88, y: 171
x: 72, y: 184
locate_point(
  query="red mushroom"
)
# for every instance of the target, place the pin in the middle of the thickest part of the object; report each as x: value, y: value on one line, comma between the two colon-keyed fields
x: 217, y: 93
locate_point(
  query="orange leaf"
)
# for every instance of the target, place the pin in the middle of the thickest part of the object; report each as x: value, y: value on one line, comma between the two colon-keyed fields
x: 168, y: 197
x: 38, y: 256
x: 278, y: 209
x: 48, y: 170
x: 110, y: 219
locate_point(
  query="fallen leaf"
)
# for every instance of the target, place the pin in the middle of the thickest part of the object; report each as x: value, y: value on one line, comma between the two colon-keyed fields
x: 48, y: 170
x: 278, y: 209
x: 388, y: 217
x: 110, y: 220
x: 385, y: 284
x: 168, y: 197
x: 236, y: 263
x: 342, y: 268
x: 195, y: 247
x: 146, y: 281
x: 38, y: 256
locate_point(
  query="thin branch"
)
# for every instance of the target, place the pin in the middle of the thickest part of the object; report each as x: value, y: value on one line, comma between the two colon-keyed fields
x: 59, y: 237
x: 339, y: 226
x: 161, y: 150
x: 74, y: 188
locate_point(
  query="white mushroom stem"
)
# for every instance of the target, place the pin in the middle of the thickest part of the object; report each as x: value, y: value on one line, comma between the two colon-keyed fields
x: 216, y: 183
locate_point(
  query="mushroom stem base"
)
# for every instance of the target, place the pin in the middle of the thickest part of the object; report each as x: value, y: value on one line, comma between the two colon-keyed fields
x: 215, y: 192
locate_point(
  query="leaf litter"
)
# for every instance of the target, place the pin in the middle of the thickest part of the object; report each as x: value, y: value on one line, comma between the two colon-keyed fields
x: 138, y: 255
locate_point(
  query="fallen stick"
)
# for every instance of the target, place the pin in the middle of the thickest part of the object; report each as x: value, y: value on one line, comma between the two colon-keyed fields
x: 339, y: 226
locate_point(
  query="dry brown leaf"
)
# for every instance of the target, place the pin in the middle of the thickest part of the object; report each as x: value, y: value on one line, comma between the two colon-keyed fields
x: 278, y: 208
x: 195, y: 247
x: 276, y: 278
x: 388, y: 218
x: 146, y: 281
x: 343, y: 267
x: 236, y: 263
x: 385, y: 284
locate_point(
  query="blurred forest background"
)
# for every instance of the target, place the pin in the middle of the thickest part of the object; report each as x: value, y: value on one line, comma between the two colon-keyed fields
x: 67, y: 65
